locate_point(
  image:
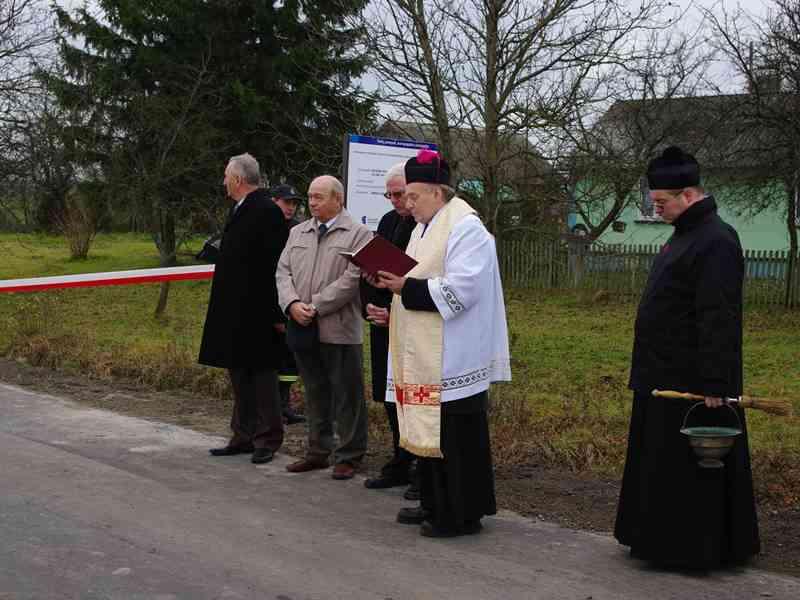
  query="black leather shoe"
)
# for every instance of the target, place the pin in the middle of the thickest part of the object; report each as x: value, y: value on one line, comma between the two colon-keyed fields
x: 261, y: 456
x: 430, y: 530
x: 412, y: 516
x: 231, y: 450
x: 412, y: 493
x: 382, y: 482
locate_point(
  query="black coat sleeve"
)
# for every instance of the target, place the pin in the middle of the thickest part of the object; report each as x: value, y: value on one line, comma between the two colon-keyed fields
x: 417, y: 296
x: 719, y: 273
x: 370, y: 294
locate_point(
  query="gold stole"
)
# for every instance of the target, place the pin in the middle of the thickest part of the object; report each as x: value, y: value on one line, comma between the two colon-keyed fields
x: 416, y: 341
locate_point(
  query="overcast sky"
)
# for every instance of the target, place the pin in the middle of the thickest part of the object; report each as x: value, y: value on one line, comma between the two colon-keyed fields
x: 758, y: 8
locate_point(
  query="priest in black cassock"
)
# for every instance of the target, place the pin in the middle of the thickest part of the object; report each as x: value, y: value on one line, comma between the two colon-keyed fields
x: 395, y: 226
x: 688, y: 337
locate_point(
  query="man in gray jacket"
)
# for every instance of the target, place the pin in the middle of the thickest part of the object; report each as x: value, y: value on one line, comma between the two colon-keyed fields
x: 318, y: 289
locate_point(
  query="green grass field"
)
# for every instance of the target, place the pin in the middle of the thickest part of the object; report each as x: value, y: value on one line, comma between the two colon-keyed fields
x: 568, y: 405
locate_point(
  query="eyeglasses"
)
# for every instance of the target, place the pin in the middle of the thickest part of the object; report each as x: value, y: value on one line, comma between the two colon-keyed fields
x: 397, y: 194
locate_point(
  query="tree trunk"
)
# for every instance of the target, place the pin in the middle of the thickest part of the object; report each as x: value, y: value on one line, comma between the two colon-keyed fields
x: 163, y: 295
x: 491, y: 141
x: 577, y: 261
x: 166, y: 244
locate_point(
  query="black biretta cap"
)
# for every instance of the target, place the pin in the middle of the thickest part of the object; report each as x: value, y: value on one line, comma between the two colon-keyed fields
x: 427, y: 166
x: 673, y: 170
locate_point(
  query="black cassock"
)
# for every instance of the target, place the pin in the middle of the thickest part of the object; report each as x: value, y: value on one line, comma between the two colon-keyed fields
x: 457, y: 491
x: 688, y: 337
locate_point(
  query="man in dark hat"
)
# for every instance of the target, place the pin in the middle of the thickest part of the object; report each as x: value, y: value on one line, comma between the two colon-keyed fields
x: 688, y: 337
x: 288, y: 199
x: 448, y: 341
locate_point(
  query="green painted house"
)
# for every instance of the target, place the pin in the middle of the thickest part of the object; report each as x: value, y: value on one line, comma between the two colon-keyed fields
x: 637, y: 224
x: 736, y: 167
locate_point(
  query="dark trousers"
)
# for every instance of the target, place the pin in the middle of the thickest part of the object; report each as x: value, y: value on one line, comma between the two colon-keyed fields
x: 400, y: 466
x: 458, y: 490
x: 334, y: 388
x: 256, y: 414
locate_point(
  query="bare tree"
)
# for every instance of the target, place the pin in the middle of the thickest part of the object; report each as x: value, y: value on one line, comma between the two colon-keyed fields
x: 628, y: 114
x: 766, y: 52
x: 26, y: 37
x: 503, y: 70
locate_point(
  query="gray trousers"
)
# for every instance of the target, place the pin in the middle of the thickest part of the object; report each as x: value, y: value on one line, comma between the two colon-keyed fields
x: 334, y: 393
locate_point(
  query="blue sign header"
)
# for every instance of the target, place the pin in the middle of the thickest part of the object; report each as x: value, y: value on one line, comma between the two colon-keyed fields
x: 363, y: 139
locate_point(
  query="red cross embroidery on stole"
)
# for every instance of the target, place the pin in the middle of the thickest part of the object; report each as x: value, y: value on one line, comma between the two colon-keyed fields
x: 427, y: 395
x: 421, y: 395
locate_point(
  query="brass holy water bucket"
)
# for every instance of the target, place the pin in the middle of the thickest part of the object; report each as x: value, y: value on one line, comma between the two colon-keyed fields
x: 711, y: 444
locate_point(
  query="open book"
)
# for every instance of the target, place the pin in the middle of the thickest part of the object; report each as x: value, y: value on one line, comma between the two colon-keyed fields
x: 379, y: 254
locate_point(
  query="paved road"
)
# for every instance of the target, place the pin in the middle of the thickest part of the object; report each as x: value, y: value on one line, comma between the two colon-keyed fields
x: 96, y: 505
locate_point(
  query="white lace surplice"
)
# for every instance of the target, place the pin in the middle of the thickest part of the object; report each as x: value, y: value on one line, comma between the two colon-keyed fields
x: 470, y: 300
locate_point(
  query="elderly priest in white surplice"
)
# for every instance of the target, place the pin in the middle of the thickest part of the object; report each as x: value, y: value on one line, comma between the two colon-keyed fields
x: 448, y: 343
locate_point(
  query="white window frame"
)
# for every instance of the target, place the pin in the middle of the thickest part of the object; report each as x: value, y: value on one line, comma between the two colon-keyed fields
x: 646, y: 207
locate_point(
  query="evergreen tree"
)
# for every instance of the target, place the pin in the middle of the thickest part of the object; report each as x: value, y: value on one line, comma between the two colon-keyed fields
x: 162, y: 92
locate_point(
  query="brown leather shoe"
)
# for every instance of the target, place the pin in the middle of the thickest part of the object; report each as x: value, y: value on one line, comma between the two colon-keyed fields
x: 343, y: 471
x: 305, y: 465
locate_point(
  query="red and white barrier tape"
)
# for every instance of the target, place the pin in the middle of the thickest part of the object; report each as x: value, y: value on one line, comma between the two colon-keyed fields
x: 36, y: 284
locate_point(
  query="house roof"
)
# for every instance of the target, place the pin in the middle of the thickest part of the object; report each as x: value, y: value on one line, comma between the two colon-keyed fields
x: 519, y: 162
x: 722, y: 131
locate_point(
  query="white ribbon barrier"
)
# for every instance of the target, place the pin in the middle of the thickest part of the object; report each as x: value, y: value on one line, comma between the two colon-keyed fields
x: 37, y: 284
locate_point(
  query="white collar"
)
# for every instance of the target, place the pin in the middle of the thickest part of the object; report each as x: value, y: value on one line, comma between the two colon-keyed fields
x: 328, y: 224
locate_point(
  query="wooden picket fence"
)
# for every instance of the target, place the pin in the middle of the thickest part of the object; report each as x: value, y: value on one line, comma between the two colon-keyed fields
x: 621, y: 270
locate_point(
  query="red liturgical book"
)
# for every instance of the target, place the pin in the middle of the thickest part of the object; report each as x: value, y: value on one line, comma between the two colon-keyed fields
x: 379, y: 254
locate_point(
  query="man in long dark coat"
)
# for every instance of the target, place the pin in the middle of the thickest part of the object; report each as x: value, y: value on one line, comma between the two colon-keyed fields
x: 241, y: 329
x: 396, y: 226
x: 688, y: 337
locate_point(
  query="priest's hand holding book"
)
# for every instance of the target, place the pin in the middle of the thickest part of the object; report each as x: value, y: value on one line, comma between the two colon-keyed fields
x: 390, y: 281
x: 385, y: 281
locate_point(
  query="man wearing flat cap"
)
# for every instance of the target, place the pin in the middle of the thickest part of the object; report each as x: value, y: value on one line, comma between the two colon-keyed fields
x: 448, y: 341
x: 687, y: 337
x: 288, y: 200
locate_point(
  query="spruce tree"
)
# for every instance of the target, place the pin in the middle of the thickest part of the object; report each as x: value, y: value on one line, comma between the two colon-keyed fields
x: 162, y: 92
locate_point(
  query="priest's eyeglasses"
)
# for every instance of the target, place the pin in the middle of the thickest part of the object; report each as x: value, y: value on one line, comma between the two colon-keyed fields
x: 396, y: 194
